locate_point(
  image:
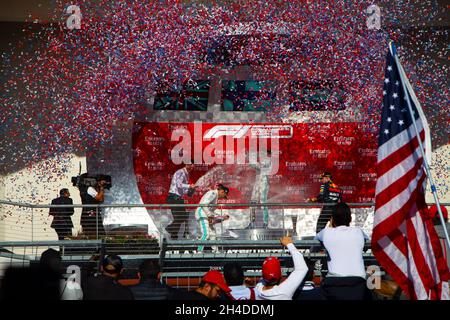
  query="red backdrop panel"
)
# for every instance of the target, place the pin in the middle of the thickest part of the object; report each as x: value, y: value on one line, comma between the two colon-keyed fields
x: 344, y: 149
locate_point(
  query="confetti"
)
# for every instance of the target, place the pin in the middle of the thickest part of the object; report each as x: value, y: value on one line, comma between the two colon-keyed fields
x: 63, y: 90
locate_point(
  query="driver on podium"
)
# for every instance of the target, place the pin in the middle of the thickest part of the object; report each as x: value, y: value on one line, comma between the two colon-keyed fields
x: 207, y: 217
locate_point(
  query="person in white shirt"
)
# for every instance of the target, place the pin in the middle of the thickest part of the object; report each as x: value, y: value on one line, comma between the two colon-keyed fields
x: 346, y: 278
x: 179, y: 186
x: 234, y: 277
x: 271, y: 288
x: 206, y: 217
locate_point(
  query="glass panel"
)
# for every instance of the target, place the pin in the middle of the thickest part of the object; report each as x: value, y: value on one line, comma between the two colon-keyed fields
x: 192, y: 96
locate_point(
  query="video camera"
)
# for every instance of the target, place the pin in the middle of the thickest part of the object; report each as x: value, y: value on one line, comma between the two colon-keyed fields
x: 84, y: 181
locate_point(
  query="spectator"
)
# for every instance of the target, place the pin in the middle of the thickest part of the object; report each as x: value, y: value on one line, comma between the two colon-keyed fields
x: 69, y: 289
x: 150, y: 286
x: 31, y: 283
x: 271, y: 287
x: 105, y: 286
x: 210, y: 288
x: 38, y: 282
x: 307, y: 289
x: 234, y: 277
x: 346, y: 278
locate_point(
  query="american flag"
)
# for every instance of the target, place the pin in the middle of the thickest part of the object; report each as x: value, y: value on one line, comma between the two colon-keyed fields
x: 404, y: 240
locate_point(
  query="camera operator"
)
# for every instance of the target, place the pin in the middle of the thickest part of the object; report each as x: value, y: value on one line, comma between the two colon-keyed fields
x: 89, y: 218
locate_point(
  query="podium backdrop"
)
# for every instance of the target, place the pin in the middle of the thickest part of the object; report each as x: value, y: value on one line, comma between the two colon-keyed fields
x: 305, y: 151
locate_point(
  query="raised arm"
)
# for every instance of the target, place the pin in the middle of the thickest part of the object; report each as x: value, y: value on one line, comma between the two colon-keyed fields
x: 291, y: 284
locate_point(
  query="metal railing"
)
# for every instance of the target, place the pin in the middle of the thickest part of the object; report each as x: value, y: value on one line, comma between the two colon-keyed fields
x: 182, y: 263
x: 74, y: 252
x: 31, y: 222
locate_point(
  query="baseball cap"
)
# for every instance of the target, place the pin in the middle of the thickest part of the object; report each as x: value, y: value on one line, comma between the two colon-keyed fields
x: 271, y: 270
x: 216, y: 277
x: 434, y: 211
x: 325, y: 174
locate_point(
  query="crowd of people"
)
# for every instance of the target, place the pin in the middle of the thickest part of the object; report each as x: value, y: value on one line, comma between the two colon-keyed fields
x: 346, y: 278
x: 344, y: 245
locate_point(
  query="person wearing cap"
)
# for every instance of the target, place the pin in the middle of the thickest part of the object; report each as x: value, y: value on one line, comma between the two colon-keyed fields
x: 105, y: 286
x: 271, y: 287
x: 210, y: 288
x: 206, y: 217
x: 329, y: 193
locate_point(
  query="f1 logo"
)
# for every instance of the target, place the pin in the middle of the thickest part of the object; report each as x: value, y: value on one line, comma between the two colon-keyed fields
x: 259, y: 131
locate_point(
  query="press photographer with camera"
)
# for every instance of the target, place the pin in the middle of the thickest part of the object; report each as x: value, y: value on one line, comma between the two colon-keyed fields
x: 92, y: 191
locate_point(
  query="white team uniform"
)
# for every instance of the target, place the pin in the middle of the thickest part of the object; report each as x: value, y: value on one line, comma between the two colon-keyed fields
x: 286, y: 289
x: 203, y: 213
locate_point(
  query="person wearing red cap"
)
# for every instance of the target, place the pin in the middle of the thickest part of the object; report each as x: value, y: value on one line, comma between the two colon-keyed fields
x: 271, y: 287
x: 210, y: 288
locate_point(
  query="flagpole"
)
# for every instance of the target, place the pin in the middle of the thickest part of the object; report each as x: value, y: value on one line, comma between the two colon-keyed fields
x: 425, y: 162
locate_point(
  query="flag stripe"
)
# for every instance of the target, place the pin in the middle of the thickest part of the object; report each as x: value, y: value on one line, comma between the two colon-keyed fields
x: 426, y: 247
x: 415, y: 276
x: 399, y: 214
x: 400, y: 140
x: 397, y: 203
x: 397, y: 171
x: 399, y: 240
x: 419, y: 251
x: 403, y: 239
x: 395, y: 263
x: 398, y: 156
x: 400, y: 183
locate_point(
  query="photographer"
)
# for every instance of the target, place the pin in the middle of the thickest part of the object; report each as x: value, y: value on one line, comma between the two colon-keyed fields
x: 93, y: 195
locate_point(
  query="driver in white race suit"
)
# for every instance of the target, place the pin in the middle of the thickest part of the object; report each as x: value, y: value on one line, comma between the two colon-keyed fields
x: 206, y: 217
